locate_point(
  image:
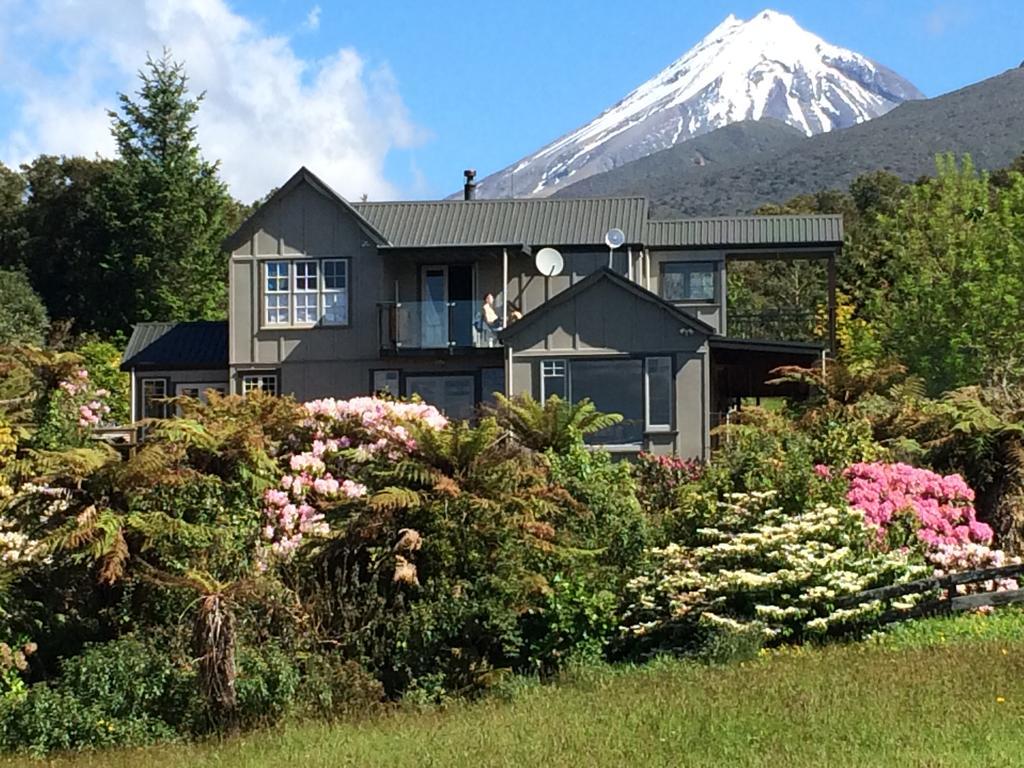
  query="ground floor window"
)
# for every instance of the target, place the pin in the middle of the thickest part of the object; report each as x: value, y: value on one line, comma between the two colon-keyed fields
x: 386, y: 382
x: 658, y: 392
x: 259, y: 382
x: 640, y: 389
x: 153, y: 393
x: 491, y: 380
x: 455, y: 396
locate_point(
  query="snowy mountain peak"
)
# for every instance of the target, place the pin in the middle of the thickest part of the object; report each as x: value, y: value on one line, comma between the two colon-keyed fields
x: 765, y: 67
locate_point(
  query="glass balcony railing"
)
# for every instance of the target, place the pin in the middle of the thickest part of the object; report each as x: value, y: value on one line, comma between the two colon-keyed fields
x: 435, y: 325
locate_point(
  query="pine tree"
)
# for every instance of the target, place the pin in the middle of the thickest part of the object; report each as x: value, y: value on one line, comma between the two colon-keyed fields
x: 169, y: 209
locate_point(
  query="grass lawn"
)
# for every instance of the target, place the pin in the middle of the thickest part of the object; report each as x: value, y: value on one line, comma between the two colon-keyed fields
x: 946, y: 692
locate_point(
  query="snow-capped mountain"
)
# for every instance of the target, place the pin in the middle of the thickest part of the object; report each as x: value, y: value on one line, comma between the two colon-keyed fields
x: 765, y: 67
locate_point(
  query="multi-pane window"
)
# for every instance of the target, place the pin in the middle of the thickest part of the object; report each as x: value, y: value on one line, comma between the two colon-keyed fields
x: 335, y: 292
x: 306, y: 292
x: 688, y: 280
x: 658, y: 389
x: 259, y: 382
x: 553, y: 379
x: 153, y: 393
x: 307, y: 295
x: 276, y: 295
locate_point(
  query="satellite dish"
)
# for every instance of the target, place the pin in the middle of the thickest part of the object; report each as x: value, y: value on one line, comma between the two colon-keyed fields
x: 614, y: 237
x: 549, y: 262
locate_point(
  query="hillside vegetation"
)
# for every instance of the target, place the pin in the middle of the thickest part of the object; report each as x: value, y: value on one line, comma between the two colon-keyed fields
x: 985, y: 120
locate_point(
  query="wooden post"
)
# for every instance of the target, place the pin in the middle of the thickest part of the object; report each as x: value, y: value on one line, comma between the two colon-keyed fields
x: 832, y: 303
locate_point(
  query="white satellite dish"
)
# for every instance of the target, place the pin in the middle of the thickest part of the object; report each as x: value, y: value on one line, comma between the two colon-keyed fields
x: 549, y: 262
x: 614, y: 238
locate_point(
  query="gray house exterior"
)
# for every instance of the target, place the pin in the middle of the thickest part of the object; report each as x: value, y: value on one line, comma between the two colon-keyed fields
x: 333, y: 299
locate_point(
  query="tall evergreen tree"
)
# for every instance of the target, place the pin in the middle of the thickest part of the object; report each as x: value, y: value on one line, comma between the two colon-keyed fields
x: 12, y: 234
x: 170, y: 211
x: 66, y: 247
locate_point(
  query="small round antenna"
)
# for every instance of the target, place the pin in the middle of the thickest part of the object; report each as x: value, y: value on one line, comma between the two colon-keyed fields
x: 549, y: 262
x: 614, y: 238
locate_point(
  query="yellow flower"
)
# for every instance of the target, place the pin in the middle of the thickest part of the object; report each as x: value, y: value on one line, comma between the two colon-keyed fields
x: 1000, y: 700
x: 1005, y: 652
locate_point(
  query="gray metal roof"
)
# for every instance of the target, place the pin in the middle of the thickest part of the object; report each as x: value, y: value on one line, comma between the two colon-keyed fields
x: 191, y: 344
x: 542, y: 221
x: 746, y: 231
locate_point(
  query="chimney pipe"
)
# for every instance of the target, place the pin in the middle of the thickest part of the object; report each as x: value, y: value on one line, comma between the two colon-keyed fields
x: 469, y: 190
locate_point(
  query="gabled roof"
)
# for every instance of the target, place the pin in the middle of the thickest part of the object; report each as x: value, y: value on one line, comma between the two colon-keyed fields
x: 618, y: 280
x: 303, y: 175
x: 536, y: 222
x: 746, y: 231
x: 187, y: 344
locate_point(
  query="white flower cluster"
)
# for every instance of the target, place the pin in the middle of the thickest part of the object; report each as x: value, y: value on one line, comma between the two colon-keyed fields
x: 754, y: 563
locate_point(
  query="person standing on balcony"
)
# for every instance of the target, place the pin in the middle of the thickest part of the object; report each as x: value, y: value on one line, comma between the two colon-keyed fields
x: 488, y: 322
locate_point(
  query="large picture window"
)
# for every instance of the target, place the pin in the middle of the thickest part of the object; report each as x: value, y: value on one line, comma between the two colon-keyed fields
x: 688, y: 281
x: 614, y: 386
x: 305, y: 292
x: 452, y: 395
x: 641, y: 391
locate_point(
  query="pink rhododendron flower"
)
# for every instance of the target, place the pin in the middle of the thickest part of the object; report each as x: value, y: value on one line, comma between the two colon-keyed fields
x: 378, y: 430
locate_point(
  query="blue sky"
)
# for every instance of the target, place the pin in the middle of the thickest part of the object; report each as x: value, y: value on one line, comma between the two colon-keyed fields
x: 396, y: 98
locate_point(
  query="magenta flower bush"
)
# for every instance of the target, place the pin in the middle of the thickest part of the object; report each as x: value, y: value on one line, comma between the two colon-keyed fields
x: 87, y: 401
x: 942, y: 506
x: 343, y: 435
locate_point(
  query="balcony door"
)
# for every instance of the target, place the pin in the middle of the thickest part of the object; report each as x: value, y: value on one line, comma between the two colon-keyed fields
x: 434, y: 307
x: 446, y: 306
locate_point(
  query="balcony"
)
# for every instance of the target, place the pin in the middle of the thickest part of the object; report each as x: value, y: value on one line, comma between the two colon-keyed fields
x: 434, y: 325
x: 785, y: 324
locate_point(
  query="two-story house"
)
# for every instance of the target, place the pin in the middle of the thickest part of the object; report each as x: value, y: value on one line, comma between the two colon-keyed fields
x: 452, y: 301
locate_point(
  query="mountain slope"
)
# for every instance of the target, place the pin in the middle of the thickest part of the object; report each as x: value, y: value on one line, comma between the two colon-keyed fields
x: 766, y: 67
x: 985, y: 120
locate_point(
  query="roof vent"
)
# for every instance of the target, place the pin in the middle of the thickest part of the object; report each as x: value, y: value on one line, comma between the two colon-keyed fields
x: 469, y: 189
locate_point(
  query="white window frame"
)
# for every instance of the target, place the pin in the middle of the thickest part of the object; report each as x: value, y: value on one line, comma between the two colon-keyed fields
x: 325, y: 292
x: 162, y: 406
x: 297, y: 299
x: 286, y: 293
x: 304, y: 272
x: 259, y: 382
x: 548, y: 370
x: 648, y: 425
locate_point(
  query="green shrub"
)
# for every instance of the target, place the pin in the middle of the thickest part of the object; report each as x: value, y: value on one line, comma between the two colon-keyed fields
x: 126, y: 692
x: 609, y: 517
x: 267, y: 683
x: 574, y: 623
x: 336, y: 687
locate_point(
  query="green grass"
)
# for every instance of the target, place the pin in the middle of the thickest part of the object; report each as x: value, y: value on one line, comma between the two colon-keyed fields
x: 946, y: 692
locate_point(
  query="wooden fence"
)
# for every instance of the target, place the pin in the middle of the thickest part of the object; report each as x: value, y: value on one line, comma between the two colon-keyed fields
x: 953, y: 601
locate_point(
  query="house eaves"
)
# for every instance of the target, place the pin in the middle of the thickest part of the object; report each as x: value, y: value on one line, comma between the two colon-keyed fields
x: 303, y: 175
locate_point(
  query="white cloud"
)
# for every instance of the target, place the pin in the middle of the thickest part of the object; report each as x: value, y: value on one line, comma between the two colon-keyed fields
x: 313, y: 18
x: 267, y: 110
